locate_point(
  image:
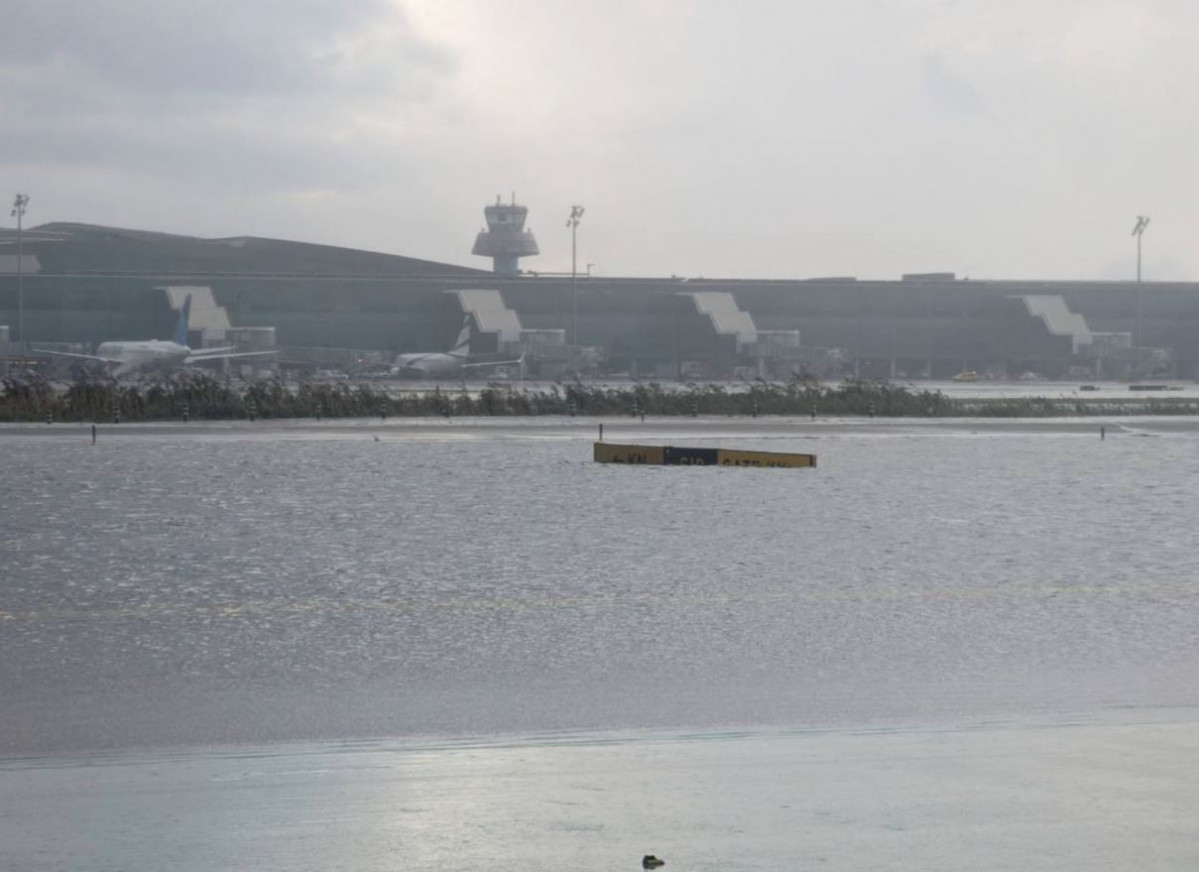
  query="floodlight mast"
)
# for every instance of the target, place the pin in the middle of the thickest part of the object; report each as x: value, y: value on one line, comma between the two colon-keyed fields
x: 576, y: 215
x: 18, y: 211
x: 1138, y: 231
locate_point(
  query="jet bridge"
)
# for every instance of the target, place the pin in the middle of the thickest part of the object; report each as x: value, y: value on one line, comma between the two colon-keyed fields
x: 491, y: 317
x: 1058, y: 319
x: 727, y: 318
x: 207, y: 316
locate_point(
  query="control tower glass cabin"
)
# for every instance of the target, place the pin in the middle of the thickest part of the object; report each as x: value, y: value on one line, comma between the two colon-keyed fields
x: 505, y: 240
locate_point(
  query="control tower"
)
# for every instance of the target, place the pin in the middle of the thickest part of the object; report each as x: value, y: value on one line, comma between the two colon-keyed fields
x: 505, y: 240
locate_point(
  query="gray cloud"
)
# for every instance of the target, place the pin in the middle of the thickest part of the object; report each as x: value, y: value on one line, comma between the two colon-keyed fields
x: 865, y: 137
x: 222, y: 47
x: 948, y: 89
x: 247, y: 96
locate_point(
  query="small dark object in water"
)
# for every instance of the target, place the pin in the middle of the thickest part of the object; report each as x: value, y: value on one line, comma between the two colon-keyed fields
x: 649, y: 861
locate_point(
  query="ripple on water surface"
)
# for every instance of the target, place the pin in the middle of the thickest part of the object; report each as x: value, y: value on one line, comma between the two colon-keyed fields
x: 174, y: 590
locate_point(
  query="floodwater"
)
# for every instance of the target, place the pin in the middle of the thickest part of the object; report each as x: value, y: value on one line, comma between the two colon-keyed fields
x: 464, y: 645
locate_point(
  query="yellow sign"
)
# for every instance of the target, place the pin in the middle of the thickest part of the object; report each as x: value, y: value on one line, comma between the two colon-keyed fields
x: 725, y: 457
x: 608, y: 452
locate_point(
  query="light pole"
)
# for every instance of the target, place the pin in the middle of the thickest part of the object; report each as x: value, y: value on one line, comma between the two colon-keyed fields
x: 1138, y: 231
x: 18, y: 210
x: 576, y: 215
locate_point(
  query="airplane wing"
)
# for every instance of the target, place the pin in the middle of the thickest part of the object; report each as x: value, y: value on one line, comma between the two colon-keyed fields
x: 197, y: 353
x: 520, y: 359
x: 200, y: 358
x: 112, y: 360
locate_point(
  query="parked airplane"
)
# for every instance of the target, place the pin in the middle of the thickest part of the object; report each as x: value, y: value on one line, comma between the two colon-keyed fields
x: 157, y: 354
x: 446, y: 364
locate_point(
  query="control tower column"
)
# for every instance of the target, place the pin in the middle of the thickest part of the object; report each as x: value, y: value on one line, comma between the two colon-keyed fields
x: 505, y: 240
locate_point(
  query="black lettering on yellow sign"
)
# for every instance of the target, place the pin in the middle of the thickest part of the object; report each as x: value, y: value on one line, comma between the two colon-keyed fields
x: 608, y: 452
x: 773, y: 459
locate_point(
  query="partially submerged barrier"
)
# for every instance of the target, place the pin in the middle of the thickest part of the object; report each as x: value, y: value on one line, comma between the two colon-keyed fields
x: 668, y: 455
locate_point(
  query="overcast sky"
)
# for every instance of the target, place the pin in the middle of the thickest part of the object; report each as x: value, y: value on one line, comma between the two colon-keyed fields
x: 1013, y: 139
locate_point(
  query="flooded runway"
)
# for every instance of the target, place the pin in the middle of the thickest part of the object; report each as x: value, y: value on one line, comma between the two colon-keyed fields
x: 1001, y: 610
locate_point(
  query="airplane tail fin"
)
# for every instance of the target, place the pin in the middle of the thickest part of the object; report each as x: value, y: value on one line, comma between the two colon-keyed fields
x: 180, y: 337
x: 462, y: 346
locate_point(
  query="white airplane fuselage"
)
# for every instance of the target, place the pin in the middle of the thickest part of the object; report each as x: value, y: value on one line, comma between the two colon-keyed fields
x: 144, y: 355
x: 446, y: 364
x: 431, y: 365
x: 161, y: 355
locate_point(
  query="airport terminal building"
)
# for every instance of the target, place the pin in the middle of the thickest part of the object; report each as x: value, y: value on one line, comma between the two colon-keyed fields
x: 75, y: 285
